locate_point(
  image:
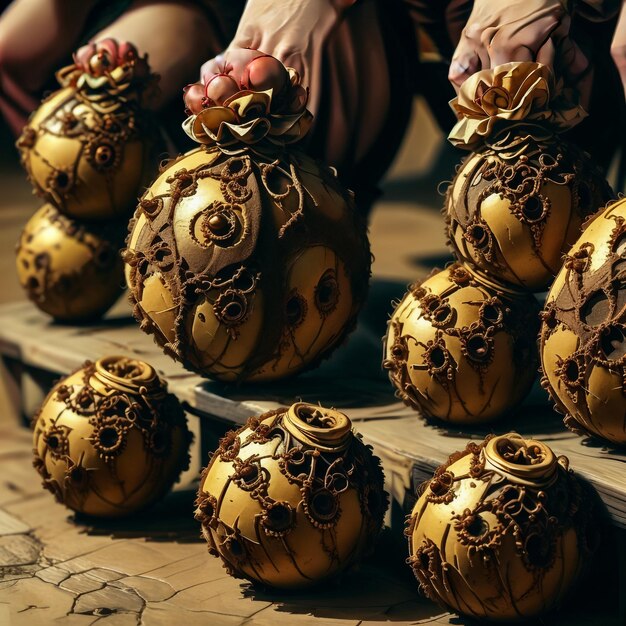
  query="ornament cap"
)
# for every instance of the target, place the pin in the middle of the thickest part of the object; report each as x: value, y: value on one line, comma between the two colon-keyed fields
x: 126, y: 374
x: 522, y: 461
x: 326, y: 429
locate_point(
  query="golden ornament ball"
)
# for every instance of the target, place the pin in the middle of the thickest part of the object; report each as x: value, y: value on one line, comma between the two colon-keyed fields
x: 518, y: 201
x: 461, y: 348
x: 502, y: 531
x: 88, y: 148
x: 515, y: 215
x: 583, y: 334
x: 246, y: 259
x: 71, y: 270
x: 109, y: 440
x: 292, y: 498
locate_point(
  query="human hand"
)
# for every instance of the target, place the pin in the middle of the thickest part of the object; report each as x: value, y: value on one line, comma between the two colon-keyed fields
x: 236, y: 70
x: 292, y: 31
x: 520, y: 30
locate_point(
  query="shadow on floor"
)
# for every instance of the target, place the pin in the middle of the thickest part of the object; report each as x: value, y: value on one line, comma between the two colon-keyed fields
x: 171, y: 519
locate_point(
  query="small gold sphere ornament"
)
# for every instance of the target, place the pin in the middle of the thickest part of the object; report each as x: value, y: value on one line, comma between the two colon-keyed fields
x: 71, y: 270
x: 461, y: 348
x: 292, y: 498
x: 87, y: 149
x: 502, y: 531
x: 517, y: 203
x: 583, y: 334
x: 246, y: 259
x: 109, y: 440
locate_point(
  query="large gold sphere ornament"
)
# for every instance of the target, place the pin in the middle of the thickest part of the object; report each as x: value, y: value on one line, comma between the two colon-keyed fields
x: 72, y: 271
x: 109, y: 439
x: 246, y: 259
x: 583, y: 335
x: 461, y: 348
x: 292, y: 498
x: 502, y: 530
x: 87, y: 149
x: 517, y: 203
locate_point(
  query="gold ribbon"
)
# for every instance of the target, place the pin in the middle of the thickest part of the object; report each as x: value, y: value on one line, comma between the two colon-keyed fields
x: 511, y: 94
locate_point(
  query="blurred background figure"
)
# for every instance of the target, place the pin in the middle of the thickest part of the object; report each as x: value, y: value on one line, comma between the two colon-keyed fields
x: 37, y: 37
x: 363, y: 60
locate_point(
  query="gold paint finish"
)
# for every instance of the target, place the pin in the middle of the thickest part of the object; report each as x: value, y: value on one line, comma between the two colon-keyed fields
x: 69, y: 270
x: 246, y: 266
x: 109, y: 440
x: 502, y: 531
x: 461, y: 348
x: 291, y: 498
x: 247, y: 259
x: 517, y: 205
x: 583, y: 335
x: 88, y: 148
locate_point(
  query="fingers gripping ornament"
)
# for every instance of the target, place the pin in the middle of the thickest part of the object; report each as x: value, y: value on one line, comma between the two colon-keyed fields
x: 292, y: 498
x: 109, y: 439
x: 518, y: 201
x: 462, y: 348
x: 87, y: 149
x: 246, y: 259
x: 502, y: 531
x: 583, y: 335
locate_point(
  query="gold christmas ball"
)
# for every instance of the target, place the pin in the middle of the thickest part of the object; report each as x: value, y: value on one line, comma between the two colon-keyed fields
x: 109, y: 439
x: 583, y: 334
x: 247, y: 267
x: 88, y: 148
x: 71, y: 270
x: 291, y: 498
x: 515, y: 207
x: 461, y: 348
x: 502, y: 530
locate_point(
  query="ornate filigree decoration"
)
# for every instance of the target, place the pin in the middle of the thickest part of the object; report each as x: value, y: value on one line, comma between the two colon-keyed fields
x: 294, y: 486
x: 460, y: 349
x: 109, y: 440
x: 507, y: 504
x: 583, y: 334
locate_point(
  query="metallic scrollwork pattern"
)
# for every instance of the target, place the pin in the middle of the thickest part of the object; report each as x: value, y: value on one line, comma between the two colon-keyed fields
x: 244, y: 266
x: 70, y: 270
x: 583, y: 332
x: 502, y: 531
x: 109, y: 439
x: 89, y: 146
x: 291, y: 498
x: 517, y: 205
x: 461, y: 348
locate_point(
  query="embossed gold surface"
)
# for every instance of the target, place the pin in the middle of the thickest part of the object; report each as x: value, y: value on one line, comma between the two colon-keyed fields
x: 502, y: 531
x: 518, y: 200
x: 71, y: 270
x: 87, y: 148
x: 515, y: 211
x: 246, y: 258
x: 109, y: 439
x: 462, y: 348
x: 291, y: 498
x: 583, y: 335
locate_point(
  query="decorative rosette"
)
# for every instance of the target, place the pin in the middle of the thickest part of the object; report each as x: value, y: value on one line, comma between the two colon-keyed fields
x: 512, y: 94
x: 246, y: 97
x: 108, y: 74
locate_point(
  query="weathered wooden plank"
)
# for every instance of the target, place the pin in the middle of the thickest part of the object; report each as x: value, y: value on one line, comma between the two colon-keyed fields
x: 351, y: 381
